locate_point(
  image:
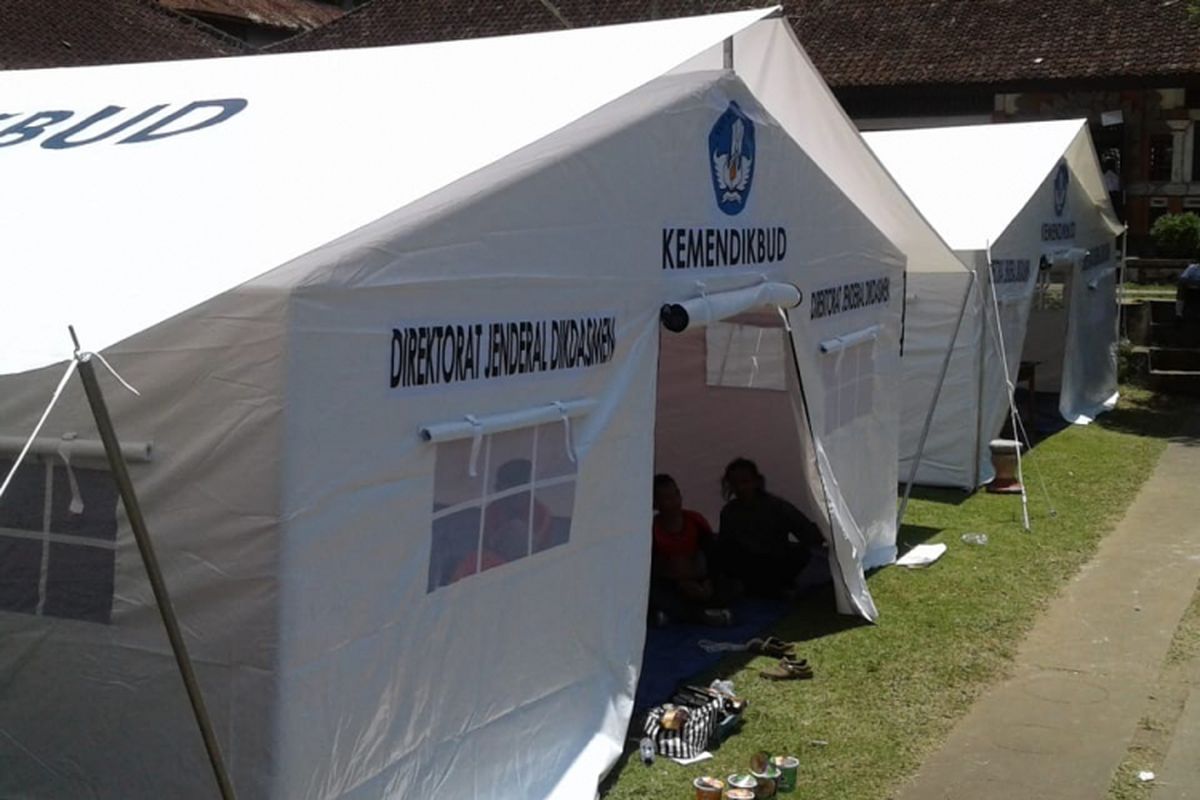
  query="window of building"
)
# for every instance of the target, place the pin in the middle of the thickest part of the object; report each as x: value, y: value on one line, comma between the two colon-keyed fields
x: 1158, y: 208
x: 497, y: 500
x: 58, y: 531
x: 1161, y: 156
x: 849, y: 377
x: 745, y: 356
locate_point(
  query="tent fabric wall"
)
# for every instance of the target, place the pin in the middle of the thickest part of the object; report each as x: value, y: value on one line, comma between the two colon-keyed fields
x: 98, y: 710
x: 990, y: 191
x: 291, y: 494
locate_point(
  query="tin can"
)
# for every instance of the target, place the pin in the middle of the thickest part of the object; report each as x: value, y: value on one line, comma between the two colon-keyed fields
x: 708, y: 788
x: 768, y: 781
x: 788, y: 767
x: 742, y: 782
x: 739, y: 794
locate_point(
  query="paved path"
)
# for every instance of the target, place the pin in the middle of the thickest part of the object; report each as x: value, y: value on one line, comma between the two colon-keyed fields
x: 1061, y: 725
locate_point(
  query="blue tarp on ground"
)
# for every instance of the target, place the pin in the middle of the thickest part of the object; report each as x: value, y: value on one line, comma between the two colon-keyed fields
x: 673, y: 654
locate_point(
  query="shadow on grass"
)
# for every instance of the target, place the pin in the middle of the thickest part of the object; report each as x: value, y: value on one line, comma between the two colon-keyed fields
x: 815, y: 617
x: 912, y: 535
x: 938, y: 494
x: 1175, y: 418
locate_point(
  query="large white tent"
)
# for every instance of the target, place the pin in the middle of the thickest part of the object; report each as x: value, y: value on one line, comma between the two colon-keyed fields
x: 1024, y: 206
x: 937, y: 283
x: 251, y: 242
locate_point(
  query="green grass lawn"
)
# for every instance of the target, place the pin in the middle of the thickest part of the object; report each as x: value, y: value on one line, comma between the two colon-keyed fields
x: 885, y: 695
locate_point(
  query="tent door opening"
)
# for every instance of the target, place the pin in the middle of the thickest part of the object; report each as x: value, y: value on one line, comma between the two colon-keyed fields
x: 730, y: 389
x: 1046, y: 332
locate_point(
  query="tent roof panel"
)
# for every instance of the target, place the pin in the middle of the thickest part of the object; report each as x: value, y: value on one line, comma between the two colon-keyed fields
x: 971, y: 181
x: 114, y: 237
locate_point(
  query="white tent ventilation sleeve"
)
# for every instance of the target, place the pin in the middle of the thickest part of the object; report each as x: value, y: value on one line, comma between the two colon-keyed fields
x: 476, y: 428
x: 848, y: 340
x: 80, y: 448
x: 708, y: 308
x: 1068, y: 257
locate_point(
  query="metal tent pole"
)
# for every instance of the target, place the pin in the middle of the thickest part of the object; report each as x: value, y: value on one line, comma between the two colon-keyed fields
x: 1010, y: 389
x: 980, y: 380
x: 133, y: 510
x: 912, y: 473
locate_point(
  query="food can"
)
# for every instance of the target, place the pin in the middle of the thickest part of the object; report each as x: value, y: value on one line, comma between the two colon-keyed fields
x: 788, y: 767
x: 739, y: 794
x: 742, y: 782
x: 708, y: 788
x: 767, y: 782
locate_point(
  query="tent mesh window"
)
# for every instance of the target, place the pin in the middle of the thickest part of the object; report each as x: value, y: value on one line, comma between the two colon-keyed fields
x: 58, y: 532
x: 745, y: 356
x: 849, y: 376
x: 518, y: 500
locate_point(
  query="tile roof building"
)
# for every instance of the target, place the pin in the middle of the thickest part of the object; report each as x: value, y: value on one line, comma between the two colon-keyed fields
x: 260, y: 22
x: 74, y: 33
x: 386, y: 22
x: 1131, y: 67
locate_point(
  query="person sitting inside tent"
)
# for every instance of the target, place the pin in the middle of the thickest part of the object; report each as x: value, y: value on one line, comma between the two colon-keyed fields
x: 681, y: 587
x: 757, y: 531
x: 510, y: 522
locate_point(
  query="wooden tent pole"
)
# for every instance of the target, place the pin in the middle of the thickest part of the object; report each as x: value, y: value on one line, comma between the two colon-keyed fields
x: 137, y: 522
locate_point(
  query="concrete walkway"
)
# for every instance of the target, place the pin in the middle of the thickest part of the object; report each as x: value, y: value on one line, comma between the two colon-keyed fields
x: 1061, y: 725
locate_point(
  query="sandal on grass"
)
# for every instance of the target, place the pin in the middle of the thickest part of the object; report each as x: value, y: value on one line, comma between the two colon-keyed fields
x: 788, y: 670
x: 772, y: 646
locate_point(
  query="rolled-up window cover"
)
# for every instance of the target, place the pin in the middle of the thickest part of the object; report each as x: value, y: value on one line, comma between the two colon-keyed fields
x: 468, y: 427
x: 722, y: 305
x: 1067, y: 256
x: 850, y: 339
x: 79, y: 448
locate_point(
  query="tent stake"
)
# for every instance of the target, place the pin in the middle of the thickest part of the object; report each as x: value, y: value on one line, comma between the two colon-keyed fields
x: 937, y: 391
x: 133, y: 510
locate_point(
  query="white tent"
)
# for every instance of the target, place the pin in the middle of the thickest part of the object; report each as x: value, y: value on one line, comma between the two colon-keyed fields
x: 250, y: 242
x: 1028, y: 201
x: 937, y: 282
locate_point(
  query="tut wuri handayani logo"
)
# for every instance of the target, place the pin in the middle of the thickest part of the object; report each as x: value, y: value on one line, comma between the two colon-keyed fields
x: 731, y: 148
x: 1061, y: 179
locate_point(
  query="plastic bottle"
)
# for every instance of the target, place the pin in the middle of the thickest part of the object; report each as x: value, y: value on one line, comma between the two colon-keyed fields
x: 647, y: 748
x: 975, y: 538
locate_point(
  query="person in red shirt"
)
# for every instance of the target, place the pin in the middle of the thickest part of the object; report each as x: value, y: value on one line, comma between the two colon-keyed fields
x: 681, y: 587
x: 510, y: 523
